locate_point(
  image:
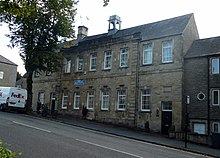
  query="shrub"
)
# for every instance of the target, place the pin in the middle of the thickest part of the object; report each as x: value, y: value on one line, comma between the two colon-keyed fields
x: 5, y: 152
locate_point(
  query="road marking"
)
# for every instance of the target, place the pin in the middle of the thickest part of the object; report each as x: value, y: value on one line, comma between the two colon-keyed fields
x: 41, y: 129
x: 109, y: 148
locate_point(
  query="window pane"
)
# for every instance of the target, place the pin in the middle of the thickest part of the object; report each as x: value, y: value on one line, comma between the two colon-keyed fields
x: 105, y: 100
x: 90, y: 100
x: 215, y: 96
x: 124, y: 57
x: 1, y: 74
x: 108, y: 60
x: 121, y: 99
x: 76, y: 100
x: 147, y: 54
x: 199, y: 128
x: 93, y: 62
x: 145, y: 99
x: 215, y: 66
x: 167, y: 52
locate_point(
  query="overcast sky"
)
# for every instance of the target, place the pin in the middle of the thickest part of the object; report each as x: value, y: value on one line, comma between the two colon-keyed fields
x: 93, y: 15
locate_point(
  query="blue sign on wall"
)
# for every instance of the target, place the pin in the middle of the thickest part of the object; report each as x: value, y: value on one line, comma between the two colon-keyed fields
x: 79, y: 82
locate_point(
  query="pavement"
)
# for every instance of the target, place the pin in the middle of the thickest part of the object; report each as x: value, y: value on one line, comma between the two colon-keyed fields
x: 138, y: 135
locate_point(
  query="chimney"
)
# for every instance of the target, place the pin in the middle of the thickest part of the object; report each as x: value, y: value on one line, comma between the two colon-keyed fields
x: 114, y: 20
x: 82, y: 32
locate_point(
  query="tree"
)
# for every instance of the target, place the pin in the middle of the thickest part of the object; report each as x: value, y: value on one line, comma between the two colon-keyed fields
x: 38, y: 27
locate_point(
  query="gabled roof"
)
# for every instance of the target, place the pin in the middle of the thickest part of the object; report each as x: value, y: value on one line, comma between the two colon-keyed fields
x: 204, y: 47
x: 6, y: 61
x: 168, y: 27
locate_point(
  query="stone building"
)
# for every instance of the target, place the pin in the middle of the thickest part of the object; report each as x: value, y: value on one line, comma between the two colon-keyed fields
x: 202, y: 85
x: 8, y: 72
x: 131, y: 77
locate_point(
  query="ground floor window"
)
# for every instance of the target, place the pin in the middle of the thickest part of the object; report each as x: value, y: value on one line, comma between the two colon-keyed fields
x: 90, y: 100
x: 41, y: 97
x: 105, y: 100
x: 145, y: 100
x: 121, y: 99
x: 216, y: 127
x: 199, y: 128
x: 167, y: 105
x: 65, y: 100
x: 76, y: 102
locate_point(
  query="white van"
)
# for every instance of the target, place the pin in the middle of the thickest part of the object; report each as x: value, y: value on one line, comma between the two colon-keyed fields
x: 12, y: 98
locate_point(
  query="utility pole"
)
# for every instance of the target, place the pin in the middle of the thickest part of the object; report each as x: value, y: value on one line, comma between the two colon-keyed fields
x: 187, y: 119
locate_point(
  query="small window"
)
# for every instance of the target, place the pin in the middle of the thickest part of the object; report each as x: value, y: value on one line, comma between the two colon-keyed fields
x: 41, y: 97
x: 215, y: 97
x: 1, y: 74
x: 90, y: 100
x: 65, y: 100
x: 93, y: 62
x: 108, y: 60
x: 215, y: 66
x: 145, y: 100
x: 199, y: 128
x: 121, y: 100
x: 167, y: 51
x: 124, y: 57
x: 79, y: 63
x: 147, y: 53
x: 105, y: 100
x: 216, y: 127
x: 167, y: 89
x: 76, y: 102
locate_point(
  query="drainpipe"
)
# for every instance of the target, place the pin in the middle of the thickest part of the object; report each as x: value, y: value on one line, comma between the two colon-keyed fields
x: 137, y: 80
x: 208, y: 97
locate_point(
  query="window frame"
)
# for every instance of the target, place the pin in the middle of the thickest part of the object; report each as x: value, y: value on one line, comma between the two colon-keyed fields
x: 93, y: 59
x: 215, y: 66
x: 79, y: 60
x: 145, y: 54
x: 108, y: 57
x: 218, y: 127
x: 121, y: 97
x: 67, y: 66
x: 167, y: 50
x: 64, y: 98
x: 165, y: 103
x: 1, y: 75
x: 124, y: 52
x: 90, y: 95
x: 213, y: 99
x: 105, y: 101
x: 76, y: 101
x: 147, y: 95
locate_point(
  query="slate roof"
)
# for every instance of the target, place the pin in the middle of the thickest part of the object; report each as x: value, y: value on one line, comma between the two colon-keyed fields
x: 6, y: 61
x: 204, y: 47
x: 168, y: 27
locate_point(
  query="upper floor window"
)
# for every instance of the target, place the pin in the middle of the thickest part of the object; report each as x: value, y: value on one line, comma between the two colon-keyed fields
x: 121, y: 99
x: 105, y: 100
x: 67, y: 65
x: 145, y: 100
x: 216, y: 127
x: 147, y: 53
x: 76, y: 102
x: 90, y: 100
x: 215, y: 97
x: 79, y: 63
x: 167, y: 51
x: 215, y: 66
x: 1, y: 74
x: 124, y: 57
x: 108, y: 60
x: 93, y: 62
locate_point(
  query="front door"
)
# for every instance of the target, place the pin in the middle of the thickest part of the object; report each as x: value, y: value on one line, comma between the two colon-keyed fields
x: 166, y: 121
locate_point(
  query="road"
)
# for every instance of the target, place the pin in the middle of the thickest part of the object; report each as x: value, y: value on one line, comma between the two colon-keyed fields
x: 41, y: 138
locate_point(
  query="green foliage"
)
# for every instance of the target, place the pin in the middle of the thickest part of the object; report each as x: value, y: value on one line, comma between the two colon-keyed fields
x: 5, y: 152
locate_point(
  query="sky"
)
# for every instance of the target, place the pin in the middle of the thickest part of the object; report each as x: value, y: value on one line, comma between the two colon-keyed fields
x: 93, y: 15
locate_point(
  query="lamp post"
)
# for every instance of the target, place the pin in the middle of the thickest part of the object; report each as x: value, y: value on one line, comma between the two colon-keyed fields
x: 187, y: 119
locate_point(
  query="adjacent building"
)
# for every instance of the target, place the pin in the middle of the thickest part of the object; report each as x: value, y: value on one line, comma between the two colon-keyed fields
x: 131, y: 77
x: 8, y: 72
x: 202, y: 85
